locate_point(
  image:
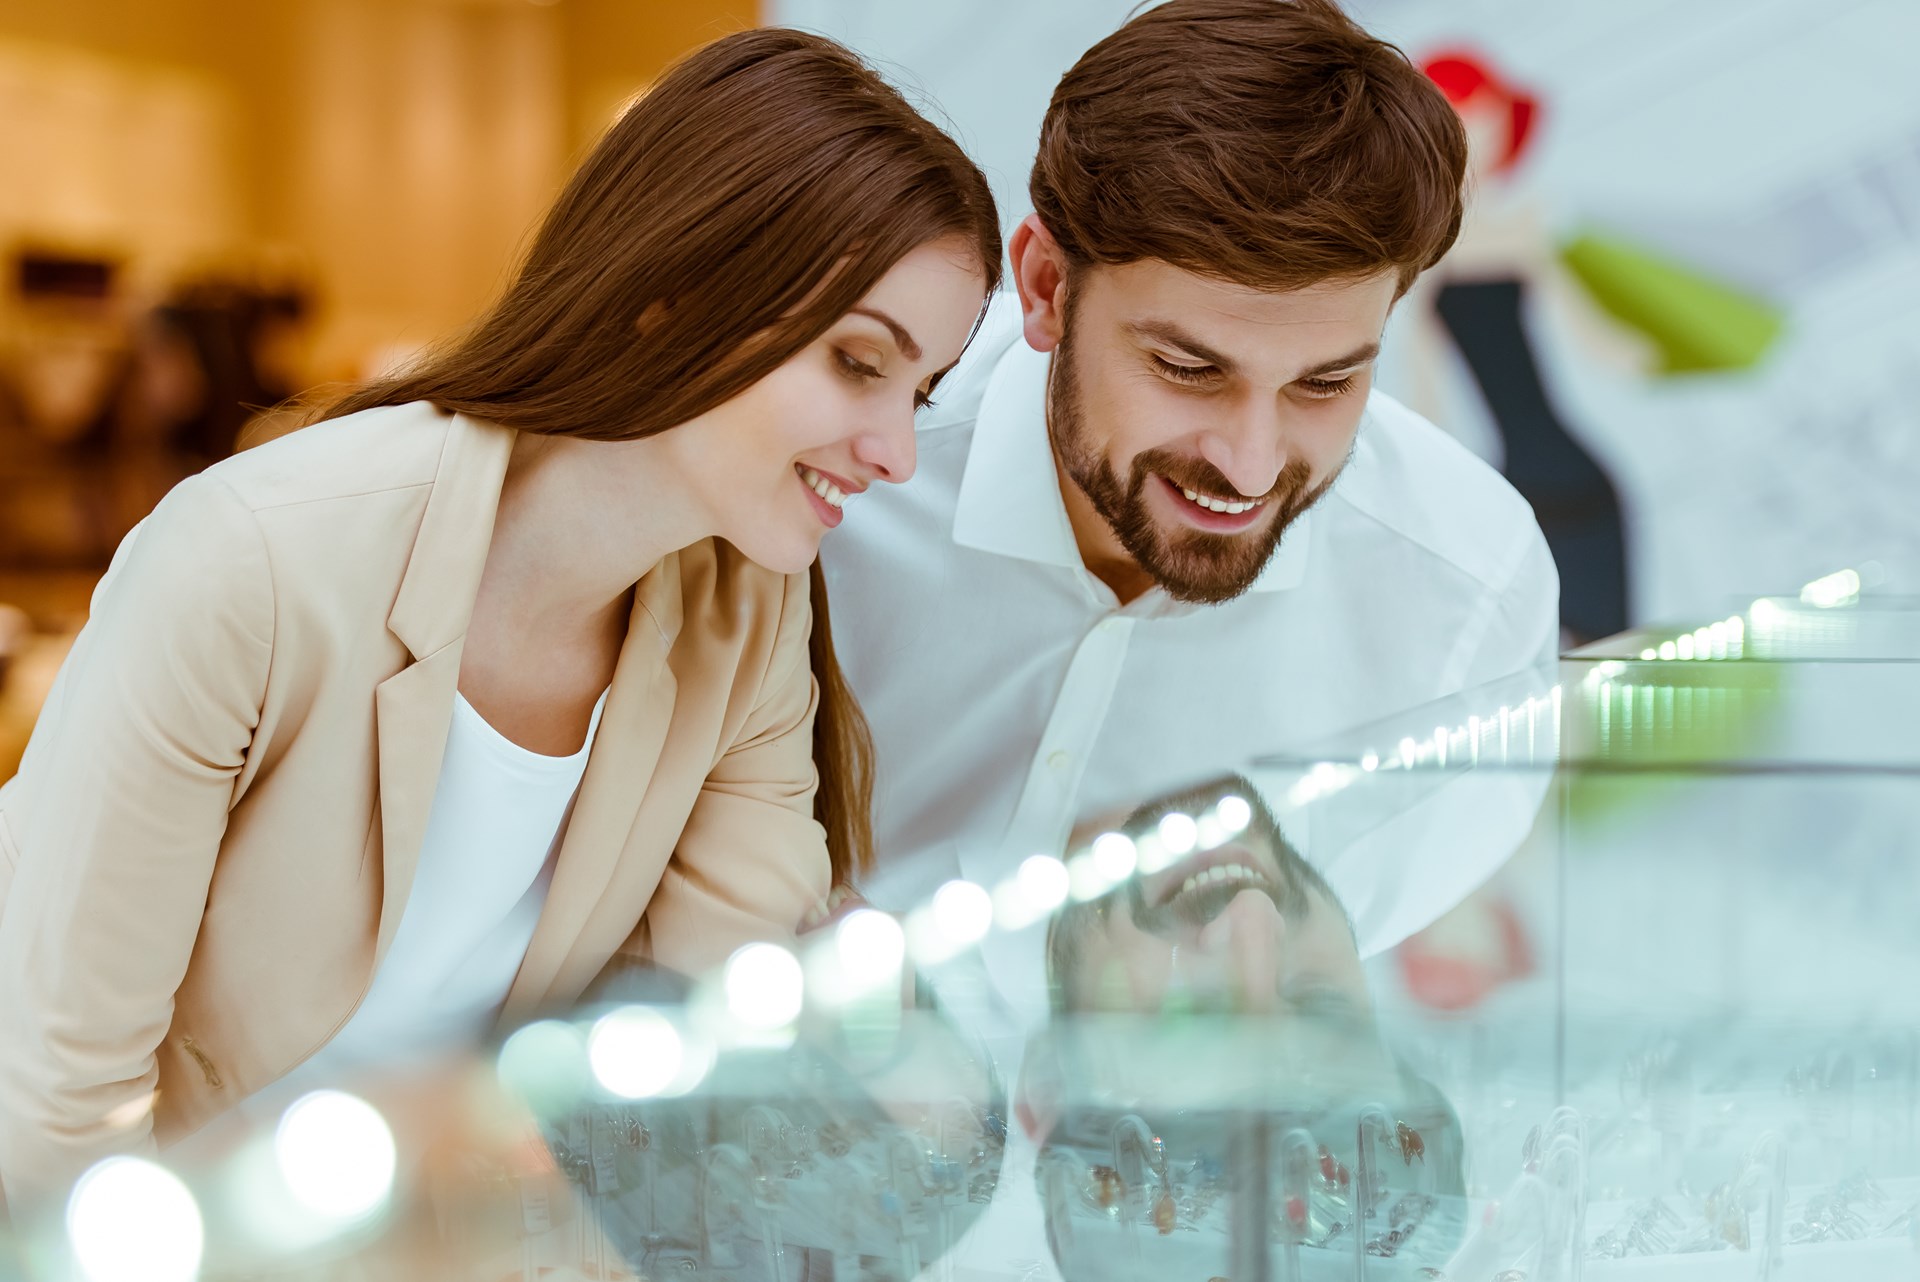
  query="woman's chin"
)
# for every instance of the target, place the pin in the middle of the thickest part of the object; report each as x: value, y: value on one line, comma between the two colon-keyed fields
x: 793, y: 555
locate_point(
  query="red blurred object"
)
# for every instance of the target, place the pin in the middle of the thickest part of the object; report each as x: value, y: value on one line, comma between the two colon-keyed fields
x: 1332, y: 1170
x: 1465, y: 78
x: 1443, y: 975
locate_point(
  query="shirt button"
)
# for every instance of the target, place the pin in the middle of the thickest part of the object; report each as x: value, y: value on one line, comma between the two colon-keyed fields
x: 1059, y: 758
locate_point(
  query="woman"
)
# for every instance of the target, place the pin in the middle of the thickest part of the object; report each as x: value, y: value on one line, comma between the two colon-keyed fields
x: 414, y: 720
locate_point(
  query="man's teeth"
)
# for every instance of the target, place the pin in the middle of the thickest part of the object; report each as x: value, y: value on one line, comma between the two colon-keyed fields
x: 1221, y: 505
x: 822, y: 486
x: 1225, y: 872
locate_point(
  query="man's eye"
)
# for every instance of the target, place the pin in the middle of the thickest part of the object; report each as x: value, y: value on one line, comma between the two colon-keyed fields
x: 1184, y: 373
x: 1326, y: 1004
x: 1327, y: 387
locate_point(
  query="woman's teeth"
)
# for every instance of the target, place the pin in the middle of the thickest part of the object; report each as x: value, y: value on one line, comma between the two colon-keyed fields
x: 1221, y: 505
x: 1223, y: 873
x: 822, y: 486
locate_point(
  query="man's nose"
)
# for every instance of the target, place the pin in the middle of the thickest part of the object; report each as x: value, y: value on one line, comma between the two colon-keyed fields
x: 1249, y: 450
x: 1248, y: 942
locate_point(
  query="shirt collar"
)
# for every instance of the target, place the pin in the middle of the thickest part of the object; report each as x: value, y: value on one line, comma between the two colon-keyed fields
x: 1010, y: 500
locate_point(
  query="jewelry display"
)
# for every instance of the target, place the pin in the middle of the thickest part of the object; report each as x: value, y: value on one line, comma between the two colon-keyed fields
x: 1137, y: 1154
x: 1511, y: 1234
x: 1285, y: 1191
x: 1299, y: 1157
x: 881, y: 1197
x: 1549, y: 1137
x: 880, y: 1200
x: 1403, y: 1218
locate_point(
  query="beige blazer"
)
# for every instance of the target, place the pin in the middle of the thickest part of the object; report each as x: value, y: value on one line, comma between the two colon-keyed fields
x: 210, y: 841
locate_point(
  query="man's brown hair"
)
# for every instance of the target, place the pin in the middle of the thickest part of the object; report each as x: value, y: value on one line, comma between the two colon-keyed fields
x: 1272, y: 143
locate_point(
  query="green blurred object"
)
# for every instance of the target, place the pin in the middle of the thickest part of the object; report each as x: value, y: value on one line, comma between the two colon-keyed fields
x: 1699, y: 324
x: 1649, y: 731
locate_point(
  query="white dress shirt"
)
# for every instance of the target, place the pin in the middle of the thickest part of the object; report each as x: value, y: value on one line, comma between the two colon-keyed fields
x: 1011, y: 694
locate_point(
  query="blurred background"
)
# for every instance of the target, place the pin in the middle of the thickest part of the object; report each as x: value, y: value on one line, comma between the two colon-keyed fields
x: 1682, y: 314
x: 1680, y: 317
x: 208, y: 206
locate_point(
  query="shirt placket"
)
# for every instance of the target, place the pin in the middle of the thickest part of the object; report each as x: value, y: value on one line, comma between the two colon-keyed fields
x: 1044, y: 816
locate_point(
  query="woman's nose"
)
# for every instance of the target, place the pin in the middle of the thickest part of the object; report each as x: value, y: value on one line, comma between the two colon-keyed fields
x: 888, y: 452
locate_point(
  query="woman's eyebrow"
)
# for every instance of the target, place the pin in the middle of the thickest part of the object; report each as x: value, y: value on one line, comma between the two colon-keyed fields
x: 908, y: 348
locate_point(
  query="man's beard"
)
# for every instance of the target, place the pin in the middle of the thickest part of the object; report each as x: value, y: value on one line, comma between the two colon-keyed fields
x: 1191, y: 565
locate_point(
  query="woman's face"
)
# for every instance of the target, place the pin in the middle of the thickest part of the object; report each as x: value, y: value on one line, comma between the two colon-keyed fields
x: 773, y: 467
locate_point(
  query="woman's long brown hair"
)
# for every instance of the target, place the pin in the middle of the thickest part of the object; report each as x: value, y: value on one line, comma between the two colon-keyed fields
x: 745, y: 204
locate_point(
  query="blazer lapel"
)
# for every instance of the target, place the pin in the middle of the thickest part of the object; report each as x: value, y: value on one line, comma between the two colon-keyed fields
x: 430, y: 616
x: 412, y: 709
x: 626, y: 754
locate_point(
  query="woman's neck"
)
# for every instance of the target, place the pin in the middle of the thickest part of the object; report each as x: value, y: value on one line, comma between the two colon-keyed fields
x: 580, y: 522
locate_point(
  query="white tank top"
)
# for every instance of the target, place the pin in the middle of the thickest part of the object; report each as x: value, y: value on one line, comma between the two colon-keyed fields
x: 499, y: 812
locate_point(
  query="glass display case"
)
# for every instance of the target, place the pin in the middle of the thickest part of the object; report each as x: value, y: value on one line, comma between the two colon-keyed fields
x: 1717, y: 1012
x: 1601, y: 972
x: 1828, y: 621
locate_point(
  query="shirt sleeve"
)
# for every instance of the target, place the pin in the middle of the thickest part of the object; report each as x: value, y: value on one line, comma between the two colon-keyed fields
x: 1520, y: 629
x: 118, y: 813
x: 752, y: 860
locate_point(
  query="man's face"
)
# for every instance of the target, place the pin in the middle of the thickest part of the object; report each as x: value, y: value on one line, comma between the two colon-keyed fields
x: 1244, y: 926
x: 1194, y: 420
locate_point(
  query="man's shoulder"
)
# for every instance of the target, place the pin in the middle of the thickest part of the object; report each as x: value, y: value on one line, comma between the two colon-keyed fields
x: 1412, y: 478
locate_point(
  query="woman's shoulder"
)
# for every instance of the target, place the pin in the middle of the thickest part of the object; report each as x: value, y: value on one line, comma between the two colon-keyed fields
x: 377, y: 451
x: 727, y: 598
x: 714, y: 571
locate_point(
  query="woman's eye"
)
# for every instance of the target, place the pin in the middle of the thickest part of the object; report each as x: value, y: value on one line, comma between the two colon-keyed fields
x: 855, y: 368
x: 1323, y: 388
x: 1184, y: 373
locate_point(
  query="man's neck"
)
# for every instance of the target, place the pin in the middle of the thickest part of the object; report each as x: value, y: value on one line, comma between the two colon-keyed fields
x: 1100, y: 549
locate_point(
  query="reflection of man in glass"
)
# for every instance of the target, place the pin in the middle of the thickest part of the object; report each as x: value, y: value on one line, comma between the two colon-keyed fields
x: 1213, y: 1083
x: 1249, y: 924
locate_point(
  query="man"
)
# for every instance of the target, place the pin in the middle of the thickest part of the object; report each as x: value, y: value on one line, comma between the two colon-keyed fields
x: 1244, y: 925
x: 1213, y: 1008
x: 1163, y: 522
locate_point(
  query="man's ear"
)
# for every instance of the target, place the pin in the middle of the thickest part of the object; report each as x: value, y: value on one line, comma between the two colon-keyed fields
x: 1037, y: 1096
x: 1040, y: 274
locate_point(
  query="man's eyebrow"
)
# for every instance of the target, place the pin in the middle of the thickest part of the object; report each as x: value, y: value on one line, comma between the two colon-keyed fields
x: 1358, y: 356
x: 1171, y: 334
x: 908, y: 348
